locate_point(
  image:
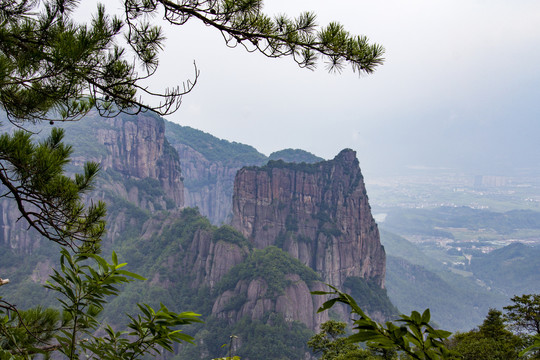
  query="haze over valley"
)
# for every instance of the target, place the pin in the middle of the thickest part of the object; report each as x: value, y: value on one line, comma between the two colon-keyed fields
x: 277, y: 210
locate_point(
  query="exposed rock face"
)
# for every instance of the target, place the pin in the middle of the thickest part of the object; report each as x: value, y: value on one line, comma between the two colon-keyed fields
x: 137, y: 148
x: 209, y: 166
x: 296, y: 303
x: 14, y: 231
x: 208, y: 183
x: 210, y: 260
x: 137, y: 165
x: 319, y: 213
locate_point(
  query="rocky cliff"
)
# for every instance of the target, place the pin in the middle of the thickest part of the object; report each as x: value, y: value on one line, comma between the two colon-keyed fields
x: 208, y: 183
x: 210, y: 256
x: 137, y: 149
x: 140, y: 172
x: 295, y: 303
x: 15, y: 233
x: 319, y: 213
x: 209, y: 166
x: 270, y: 281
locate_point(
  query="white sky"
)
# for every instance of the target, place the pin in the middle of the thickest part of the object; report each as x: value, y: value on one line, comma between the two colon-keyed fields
x: 459, y: 88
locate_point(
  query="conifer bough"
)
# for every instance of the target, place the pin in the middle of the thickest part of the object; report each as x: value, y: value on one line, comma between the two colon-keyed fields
x: 52, y: 68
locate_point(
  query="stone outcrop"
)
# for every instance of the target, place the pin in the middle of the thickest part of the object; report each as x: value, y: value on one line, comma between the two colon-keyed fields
x: 15, y: 233
x: 295, y: 303
x: 208, y: 183
x: 136, y: 147
x: 209, y: 259
x: 138, y: 166
x: 319, y: 213
x: 209, y: 166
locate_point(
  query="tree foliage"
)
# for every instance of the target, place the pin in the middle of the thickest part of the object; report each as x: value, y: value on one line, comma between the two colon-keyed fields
x: 524, y: 314
x: 83, y: 284
x: 50, y: 202
x: 243, y: 22
x: 272, y: 265
x: 492, y: 341
x: 52, y: 67
x: 414, y: 338
x: 330, y: 342
x: 413, y: 335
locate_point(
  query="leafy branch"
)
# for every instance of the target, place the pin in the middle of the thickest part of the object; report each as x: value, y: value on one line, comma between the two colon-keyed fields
x: 413, y: 335
x: 50, y: 202
x: 244, y: 23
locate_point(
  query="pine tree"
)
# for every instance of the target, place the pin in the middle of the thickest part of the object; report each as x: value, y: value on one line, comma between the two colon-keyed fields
x: 55, y: 69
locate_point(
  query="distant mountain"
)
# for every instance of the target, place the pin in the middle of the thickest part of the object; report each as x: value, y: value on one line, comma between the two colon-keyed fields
x: 397, y: 246
x: 416, y: 282
x: 262, y: 294
x: 513, y: 269
x: 209, y: 165
x: 211, y: 147
x: 295, y: 156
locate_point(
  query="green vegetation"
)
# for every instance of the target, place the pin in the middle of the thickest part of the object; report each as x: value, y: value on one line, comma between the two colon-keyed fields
x: 415, y: 280
x: 331, y: 343
x: 83, y: 289
x: 50, y: 202
x: 524, y: 314
x: 229, y: 234
x: 413, y: 337
x: 370, y: 296
x: 492, y: 341
x: 271, y: 337
x: 212, y: 148
x: 161, y: 255
x: 280, y: 164
x: 512, y: 269
x: 397, y: 246
x: 83, y: 282
x: 271, y: 265
x: 448, y: 295
x: 295, y: 156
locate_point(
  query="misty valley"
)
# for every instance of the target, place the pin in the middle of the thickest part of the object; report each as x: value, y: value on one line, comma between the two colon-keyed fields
x: 243, y: 239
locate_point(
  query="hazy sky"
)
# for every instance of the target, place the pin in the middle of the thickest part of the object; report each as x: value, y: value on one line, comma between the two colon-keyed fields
x: 460, y: 87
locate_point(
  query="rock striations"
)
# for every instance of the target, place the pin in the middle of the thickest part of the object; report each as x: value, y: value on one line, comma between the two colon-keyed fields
x: 209, y: 166
x: 137, y: 148
x: 139, y: 169
x: 295, y: 226
x: 319, y: 213
x: 208, y: 183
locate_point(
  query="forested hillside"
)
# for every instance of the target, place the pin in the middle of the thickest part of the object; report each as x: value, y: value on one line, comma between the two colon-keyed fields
x: 415, y: 280
x: 209, y: 166
x: 262, y: 295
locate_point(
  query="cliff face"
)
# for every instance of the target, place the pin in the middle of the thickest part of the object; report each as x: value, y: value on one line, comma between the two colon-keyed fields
x: 319, y: 213
x: 137, y: 148
x: 14, y: 231
x: 139, y: 169
x: 295, y: 303
x: 208, y: 183
x: 209, y: 166
x: 210, y: 259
